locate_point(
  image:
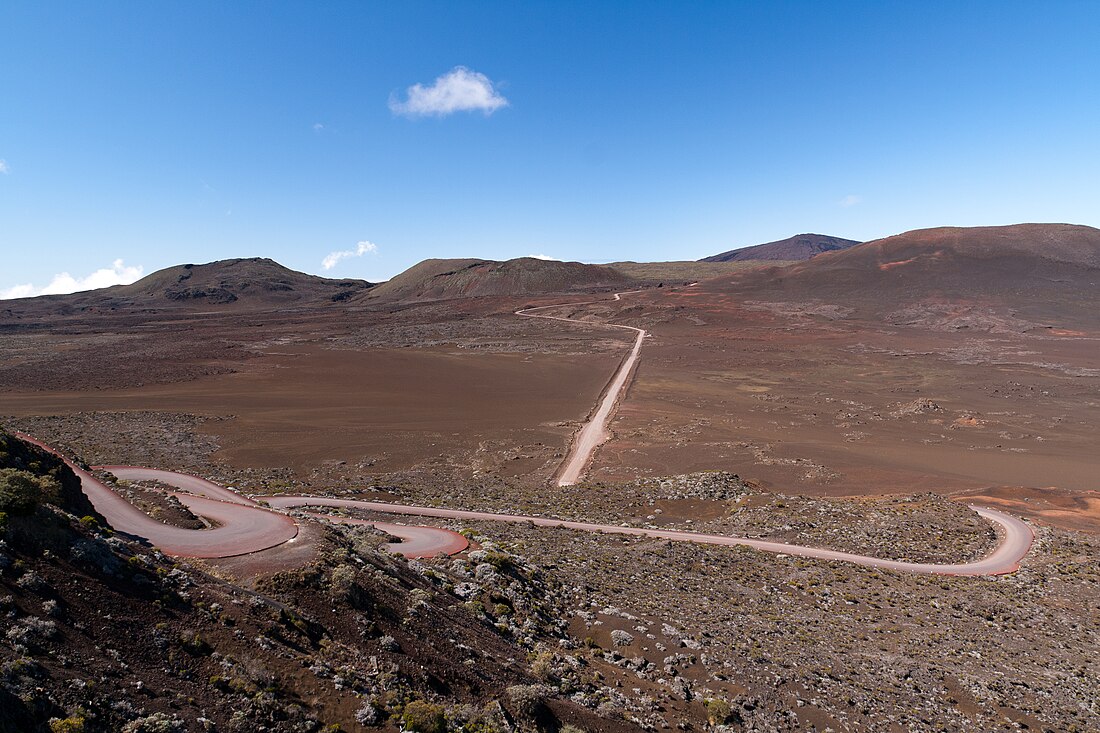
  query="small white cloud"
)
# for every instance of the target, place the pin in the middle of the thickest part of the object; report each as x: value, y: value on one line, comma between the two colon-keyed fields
x: 459, y: 90
x: 850, y: 200
x: 117, y: 274
x: 317, y: 127
x: 544, y: 257
x: 4, y: 166
x: 361, y: 248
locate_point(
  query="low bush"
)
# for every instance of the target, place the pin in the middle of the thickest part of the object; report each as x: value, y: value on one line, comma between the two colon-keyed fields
x: 424, y: 717
x: 21, y: 491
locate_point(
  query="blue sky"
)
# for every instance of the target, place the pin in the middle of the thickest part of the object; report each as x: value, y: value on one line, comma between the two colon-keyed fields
x: 169, y: 132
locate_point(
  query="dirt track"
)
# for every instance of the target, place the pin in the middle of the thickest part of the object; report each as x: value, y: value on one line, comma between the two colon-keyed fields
x: 1016, y: 540
x: 246, y: 526
x: 594, y: 433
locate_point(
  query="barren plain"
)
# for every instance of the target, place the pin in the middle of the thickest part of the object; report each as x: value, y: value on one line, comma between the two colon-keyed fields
x: 763, y: 405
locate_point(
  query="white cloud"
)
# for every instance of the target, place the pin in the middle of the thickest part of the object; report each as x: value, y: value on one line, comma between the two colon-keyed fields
x: 317, y: 127
x: 850, y: 200
x: 361, y: 248
x: 459, y: 90
x: 117, y: 274
x: 544, y: 257
x: 4, y: 166
x: 18, y: 291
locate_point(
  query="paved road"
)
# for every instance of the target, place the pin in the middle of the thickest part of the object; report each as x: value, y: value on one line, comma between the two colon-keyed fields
x: 239, y: 529
x: 594, y: 433
x: 415, y: 542
x: 241, y: 525
x: 183, y: 481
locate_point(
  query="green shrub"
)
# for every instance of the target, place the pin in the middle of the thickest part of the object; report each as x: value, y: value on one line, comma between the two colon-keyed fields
x: 718, y: 710
x: 21, y: 491
x: 542, y: 666
x: 500, y: 561
x: 72, y: 724
x: 528, y: 701
x: 424, y: 717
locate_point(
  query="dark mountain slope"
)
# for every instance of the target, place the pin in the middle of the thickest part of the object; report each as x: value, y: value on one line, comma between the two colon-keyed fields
x: 240, y: 283
x: 798, y: 247
x: 467, y: 278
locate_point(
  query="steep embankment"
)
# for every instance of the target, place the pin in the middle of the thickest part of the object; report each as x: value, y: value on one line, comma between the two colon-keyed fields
x: 31, y: 477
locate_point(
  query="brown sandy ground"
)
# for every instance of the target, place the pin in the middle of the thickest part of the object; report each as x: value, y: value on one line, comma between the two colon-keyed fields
x: 676, y: 632
x: 807, y: 402
x: 494, y: 391
x: 918, y: 528
x: 686, y: 272
x: 388, y: 409
x: 796, y: 397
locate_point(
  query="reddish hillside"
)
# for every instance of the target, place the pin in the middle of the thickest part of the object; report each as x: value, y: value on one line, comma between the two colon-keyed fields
x: 445, y: 279
x: 1044, y: 274
x: 798, y: 247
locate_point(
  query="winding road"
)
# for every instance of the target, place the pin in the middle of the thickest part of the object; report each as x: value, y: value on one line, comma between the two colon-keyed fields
x: 1016, y: 536
x: 241, y: 525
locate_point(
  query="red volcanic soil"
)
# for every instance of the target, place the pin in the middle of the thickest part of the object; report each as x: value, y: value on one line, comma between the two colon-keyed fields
x: 839, y: 376
x: 388, y: 409
x: 798, y: 247
x: 1048, y: 274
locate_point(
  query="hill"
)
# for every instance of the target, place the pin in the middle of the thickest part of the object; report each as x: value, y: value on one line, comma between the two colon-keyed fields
x: 468, y: 278
x: 798, y: 247
x: 686, y: 271
x: 254, y: 282
x: 985, y: 278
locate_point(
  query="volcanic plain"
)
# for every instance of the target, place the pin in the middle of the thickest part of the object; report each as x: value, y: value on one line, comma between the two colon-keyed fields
x: 859, y: 401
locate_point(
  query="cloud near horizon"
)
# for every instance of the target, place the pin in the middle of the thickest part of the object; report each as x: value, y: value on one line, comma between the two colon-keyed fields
x: 361, y: 248
x: 459, y: 90
x: 62, y: 283
x: 850, y: 200
x: 4, y: 166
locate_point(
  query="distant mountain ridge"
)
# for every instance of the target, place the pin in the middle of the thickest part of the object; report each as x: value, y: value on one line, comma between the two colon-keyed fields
x: 256, y: 282
x: 227, y: 281
x: 798, y: 247
x: 466, y: 278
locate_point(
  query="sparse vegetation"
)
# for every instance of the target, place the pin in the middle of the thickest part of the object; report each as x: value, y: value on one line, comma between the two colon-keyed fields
x: 420, y: 716
x: 21, y: 492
